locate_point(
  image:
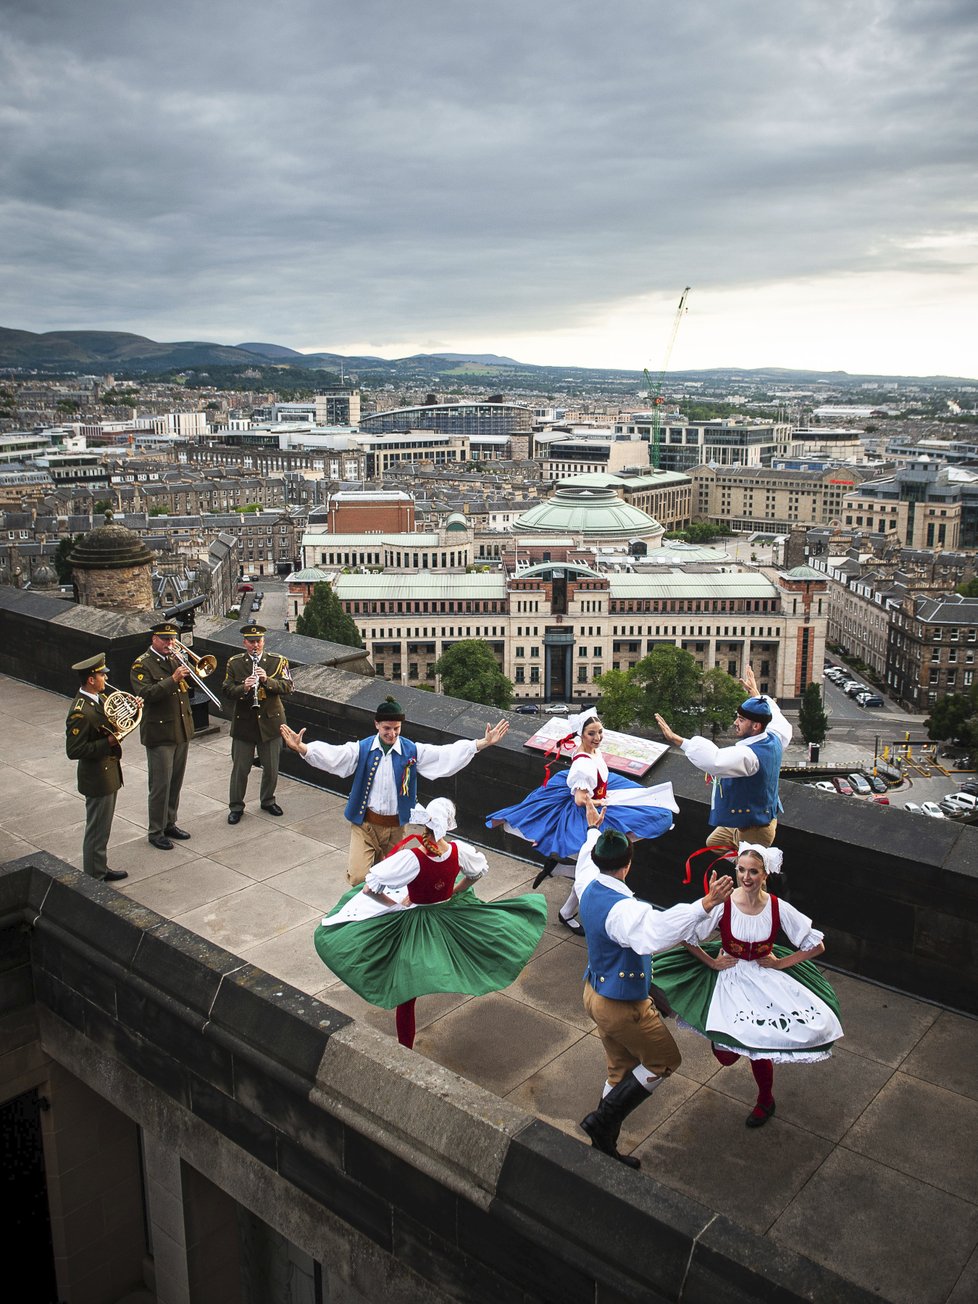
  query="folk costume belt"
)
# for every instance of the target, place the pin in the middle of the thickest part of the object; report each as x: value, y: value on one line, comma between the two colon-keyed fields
x: 385, y: 821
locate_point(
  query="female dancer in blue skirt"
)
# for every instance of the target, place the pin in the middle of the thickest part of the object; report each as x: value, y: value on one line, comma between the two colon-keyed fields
x: 553, y: 817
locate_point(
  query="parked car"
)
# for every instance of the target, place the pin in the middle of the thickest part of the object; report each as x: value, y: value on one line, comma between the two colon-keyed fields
x: 842, y: 785
x: 555, y: 708
x: 876, y: 783
x: 932, y: 809
x: 246, y: 588
x: 528, y: 708
x: 971, y: 786
x: 963, y: 801
x: 880, y: 801
x: 860, y: 784
x: 825, y: 785
x: 913, y: 808
x: 854, y: 689
x: 870, y: 699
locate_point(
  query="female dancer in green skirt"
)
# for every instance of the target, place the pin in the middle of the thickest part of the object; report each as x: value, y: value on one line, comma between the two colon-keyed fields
x: 416, y: 926
x: 750, y: 997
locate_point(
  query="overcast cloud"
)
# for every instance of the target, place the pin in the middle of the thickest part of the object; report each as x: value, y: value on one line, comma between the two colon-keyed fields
x: 535, y: 174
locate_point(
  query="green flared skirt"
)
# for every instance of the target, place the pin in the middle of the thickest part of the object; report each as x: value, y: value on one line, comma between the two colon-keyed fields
x: 463, y: 944
x: 790, y: 1026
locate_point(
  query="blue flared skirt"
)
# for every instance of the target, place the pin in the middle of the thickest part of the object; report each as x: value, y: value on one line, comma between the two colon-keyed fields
x: 551, y: 819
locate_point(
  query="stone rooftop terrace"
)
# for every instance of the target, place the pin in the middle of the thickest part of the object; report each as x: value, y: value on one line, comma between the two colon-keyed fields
x: 868, y: 1168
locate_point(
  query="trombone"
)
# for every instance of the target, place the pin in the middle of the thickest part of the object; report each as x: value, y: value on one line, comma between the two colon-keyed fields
x: 199, y: 667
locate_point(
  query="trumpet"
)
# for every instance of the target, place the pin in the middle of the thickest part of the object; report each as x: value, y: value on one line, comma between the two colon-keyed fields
x: 123, y: 710
x: 199, y: 667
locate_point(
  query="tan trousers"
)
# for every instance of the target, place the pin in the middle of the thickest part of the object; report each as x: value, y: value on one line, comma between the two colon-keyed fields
x: 369, y: 844
x: 632, y: 1033
x: 763, y: 835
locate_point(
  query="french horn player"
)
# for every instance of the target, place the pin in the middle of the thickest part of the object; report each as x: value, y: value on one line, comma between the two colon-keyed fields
x: 93, y: 733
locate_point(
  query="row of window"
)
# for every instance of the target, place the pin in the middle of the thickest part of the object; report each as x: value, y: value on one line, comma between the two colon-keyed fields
x: 679, y: 606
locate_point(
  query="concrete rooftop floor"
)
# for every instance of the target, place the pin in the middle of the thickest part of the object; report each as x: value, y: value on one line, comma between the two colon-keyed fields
x: 869, y: 1166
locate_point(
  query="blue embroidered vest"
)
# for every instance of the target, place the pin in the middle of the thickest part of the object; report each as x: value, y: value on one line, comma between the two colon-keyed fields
x: 614, y: 971
x: 743, y: 803
x: 405, y: 779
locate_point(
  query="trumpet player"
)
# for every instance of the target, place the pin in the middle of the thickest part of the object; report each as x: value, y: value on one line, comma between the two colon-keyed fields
x: 92, y: 742
x: 256, y: 681
x: 160, y: 677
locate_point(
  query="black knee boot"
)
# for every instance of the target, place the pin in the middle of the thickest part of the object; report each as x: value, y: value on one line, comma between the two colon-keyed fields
x: 603, y: 1125
x: 549, y: 865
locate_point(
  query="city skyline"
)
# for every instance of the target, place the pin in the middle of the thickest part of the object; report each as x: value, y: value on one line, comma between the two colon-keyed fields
x: 422, y: 179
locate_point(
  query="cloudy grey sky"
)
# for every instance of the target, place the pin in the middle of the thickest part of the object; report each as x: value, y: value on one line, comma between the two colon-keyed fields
x: 532, y: 177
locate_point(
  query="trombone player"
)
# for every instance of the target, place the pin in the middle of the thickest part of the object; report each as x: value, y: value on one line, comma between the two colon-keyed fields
x: 92, y: 741
x: 256, y: 681
x: 160, y: 677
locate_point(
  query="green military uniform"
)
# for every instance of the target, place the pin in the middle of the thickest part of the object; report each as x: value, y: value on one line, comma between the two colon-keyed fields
x: 90, y: 740
x: 165, y: 731
x: 256, y: 726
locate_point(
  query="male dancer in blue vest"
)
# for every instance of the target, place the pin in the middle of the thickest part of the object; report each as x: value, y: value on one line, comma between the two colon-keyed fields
x: 385, y: 783
x: 745, y: 802
x: 621, y: 933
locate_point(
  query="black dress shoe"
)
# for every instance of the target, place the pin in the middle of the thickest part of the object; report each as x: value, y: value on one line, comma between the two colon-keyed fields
x: 174, y: 832
x: 759, y: 1115
x: 161, y: 841
x: 234, y: 816
x: 274, y: 809
x: 575, y: 925
x: 114, y: 875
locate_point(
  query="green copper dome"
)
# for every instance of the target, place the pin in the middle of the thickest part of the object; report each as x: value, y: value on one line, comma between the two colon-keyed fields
x: 592, y: 511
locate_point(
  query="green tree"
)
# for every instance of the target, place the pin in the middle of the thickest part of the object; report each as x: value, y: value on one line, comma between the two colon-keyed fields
x: 621, y: 699
x: 671, y: 681
x: 968, y: 588
x: 955, y: 717
x: 812, y: 720
x: 61, y: 554
x: 469, y: 670
x: 705, y: 531
x: 720, y: 696
x: 325, y: 618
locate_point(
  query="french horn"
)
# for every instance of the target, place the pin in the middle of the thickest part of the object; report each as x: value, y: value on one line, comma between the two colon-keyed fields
x: 123, y: 710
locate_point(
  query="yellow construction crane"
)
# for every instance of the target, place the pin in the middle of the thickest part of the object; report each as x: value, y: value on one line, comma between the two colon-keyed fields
x: 655, y: 390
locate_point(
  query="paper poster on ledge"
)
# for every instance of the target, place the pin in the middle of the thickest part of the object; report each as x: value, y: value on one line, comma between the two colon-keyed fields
x: 624, y: 752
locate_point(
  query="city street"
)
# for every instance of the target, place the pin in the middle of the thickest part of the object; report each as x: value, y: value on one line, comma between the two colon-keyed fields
x: 271, y: 614
x: 858, y: 733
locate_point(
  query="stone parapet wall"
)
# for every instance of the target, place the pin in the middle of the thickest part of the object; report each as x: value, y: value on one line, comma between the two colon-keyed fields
x: 399, y: 1180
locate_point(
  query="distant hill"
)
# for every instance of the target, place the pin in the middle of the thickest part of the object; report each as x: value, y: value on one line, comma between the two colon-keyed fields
x: 124, y: 354
x: 118, y: 351
x: 484, y: 359
x: 271, y: 350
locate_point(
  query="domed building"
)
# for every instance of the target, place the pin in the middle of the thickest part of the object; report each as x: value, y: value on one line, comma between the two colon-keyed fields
x: 112, y: 568
x: 590, y: 515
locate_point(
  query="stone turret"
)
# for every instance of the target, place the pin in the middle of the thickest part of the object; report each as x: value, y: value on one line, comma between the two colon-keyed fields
x: 112, y: 568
